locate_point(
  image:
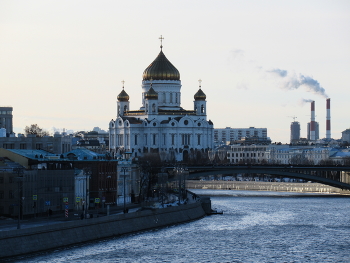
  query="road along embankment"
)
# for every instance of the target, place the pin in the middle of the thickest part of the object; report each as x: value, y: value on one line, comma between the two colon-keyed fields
x: 22, y: 241
x: 265, y: 186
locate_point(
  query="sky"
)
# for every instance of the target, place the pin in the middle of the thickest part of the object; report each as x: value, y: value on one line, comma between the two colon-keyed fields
x: 62, y: 63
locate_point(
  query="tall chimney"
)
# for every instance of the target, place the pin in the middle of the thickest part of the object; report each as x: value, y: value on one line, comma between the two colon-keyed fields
x: 312, y: 124
x: 328, y: 119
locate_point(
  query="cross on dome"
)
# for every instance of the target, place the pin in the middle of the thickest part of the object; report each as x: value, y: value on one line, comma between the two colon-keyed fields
x: 200, y: 83
x: 123, y: 83
x: 161, y: 41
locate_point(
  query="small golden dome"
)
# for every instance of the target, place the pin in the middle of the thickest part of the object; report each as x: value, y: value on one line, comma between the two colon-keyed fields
x: 123, y: 96
x: 200, y: 95
x: 151, y: 94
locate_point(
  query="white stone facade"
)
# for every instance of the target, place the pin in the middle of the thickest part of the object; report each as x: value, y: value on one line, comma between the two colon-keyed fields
x: 161, y: 125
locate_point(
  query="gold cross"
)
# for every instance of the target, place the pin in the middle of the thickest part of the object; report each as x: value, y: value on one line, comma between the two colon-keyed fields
x: 200, y: 82
x: 123, y: 83
x: 161, y: 41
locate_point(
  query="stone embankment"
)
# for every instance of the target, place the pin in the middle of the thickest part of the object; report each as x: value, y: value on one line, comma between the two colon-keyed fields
x: 265, y: 186
x: 21, y: 241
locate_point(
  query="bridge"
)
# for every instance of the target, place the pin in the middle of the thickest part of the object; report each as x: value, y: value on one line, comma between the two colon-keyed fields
x: 328, y: 175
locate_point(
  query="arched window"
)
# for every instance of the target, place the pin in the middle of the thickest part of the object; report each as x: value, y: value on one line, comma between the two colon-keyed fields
x: 125, y: 108
x: 146, y: 107
x: 171, y: 98
x: 202, y: 108
x: 153, y: 107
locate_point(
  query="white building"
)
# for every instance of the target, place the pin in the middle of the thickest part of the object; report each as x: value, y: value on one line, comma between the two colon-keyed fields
x: 161, y: 124
x: 228, y: 135
x: 241, y: 154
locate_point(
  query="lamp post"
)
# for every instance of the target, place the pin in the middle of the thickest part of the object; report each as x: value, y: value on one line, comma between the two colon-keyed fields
x: 87, y: 172
x: 19, y: 172
x: 123, y: 169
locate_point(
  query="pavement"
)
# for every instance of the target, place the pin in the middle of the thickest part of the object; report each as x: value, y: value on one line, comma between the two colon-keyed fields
x: 7, y: 224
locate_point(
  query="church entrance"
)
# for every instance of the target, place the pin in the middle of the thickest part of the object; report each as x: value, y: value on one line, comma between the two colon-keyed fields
x: 185, y: 156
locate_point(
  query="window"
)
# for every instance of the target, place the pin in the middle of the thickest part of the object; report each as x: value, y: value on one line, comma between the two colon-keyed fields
x: 199, y: 139
x: 164, y: 139
x: 23, y: 146
x: 171, y: 98
x: 1, y: 180
x: 173, y: 139
x: 135, y: 139
x: 202, y: 108
x: 154, y: 139
x: 186, y: 139
x: 11, y: 194
x: 1, y: 194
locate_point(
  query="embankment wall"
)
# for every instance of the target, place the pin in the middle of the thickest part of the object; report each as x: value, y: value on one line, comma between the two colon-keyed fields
x: 265, y: 186
x: 17, y: 242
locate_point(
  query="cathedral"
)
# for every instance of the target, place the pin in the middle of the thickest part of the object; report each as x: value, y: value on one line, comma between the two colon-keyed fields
x: 161, y: 125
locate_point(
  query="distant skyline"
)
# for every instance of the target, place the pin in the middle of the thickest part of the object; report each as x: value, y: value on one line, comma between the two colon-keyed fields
x: 261, y: 62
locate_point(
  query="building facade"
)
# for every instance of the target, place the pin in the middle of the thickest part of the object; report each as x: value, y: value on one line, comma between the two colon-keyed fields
x: 56, y: 144
x: 6, y: 120
x: 229, y: 135
x: 161, y: 124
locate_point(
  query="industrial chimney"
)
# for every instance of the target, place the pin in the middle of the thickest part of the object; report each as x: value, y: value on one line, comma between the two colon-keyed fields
x: 328, y: 119
x: 312, y: 124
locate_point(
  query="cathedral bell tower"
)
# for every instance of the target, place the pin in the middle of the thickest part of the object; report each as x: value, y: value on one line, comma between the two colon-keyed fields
x: 123, y: 103
x: 151, y: 100
x: 200, y: 105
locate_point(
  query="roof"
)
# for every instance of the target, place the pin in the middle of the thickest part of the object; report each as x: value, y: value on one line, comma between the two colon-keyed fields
x: 161, y: 69
x: 32, y: 154
x: 83, y: 154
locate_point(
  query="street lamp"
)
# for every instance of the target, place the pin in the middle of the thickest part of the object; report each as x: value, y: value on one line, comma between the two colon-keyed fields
x: 123, y: 169
x: 87, y: 172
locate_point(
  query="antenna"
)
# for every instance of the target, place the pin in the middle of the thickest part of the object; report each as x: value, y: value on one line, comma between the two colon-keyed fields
x: 294, y: 117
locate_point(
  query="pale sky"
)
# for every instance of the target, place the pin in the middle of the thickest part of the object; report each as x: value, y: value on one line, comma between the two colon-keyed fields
x: 62, y: 62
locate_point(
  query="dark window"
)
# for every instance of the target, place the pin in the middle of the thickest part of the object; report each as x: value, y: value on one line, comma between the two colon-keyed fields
x: 11, y: 194
x: 1, y: 194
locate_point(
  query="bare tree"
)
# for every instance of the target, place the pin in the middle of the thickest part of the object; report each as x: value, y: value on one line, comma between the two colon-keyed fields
x: 36, y: 130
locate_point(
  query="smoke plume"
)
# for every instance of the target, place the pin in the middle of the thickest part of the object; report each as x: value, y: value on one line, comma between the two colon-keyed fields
x: 295, y: 81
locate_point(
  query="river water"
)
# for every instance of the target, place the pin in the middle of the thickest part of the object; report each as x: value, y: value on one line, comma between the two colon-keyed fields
x: 255, y: 227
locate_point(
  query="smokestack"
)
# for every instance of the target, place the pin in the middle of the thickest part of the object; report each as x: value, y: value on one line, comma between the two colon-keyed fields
x: 328, y: 119
x: 312, y: 124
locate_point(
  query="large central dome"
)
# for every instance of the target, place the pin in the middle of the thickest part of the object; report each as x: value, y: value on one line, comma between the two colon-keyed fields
x: 161, y: 69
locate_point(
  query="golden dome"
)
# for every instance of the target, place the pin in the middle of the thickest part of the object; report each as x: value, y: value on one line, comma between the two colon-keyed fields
x: 200, y: 95
x: 123, y: 96
x: 151, y: 94
x: 161, y: 69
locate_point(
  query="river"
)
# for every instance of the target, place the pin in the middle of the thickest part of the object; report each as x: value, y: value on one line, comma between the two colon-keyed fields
x: 254, y: 227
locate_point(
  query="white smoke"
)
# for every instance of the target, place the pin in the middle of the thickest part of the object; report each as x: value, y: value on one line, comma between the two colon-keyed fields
x: 303, y: 101
x: 295, y: 81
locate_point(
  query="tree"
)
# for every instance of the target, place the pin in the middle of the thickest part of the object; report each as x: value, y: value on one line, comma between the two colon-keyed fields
x: 36, y: 130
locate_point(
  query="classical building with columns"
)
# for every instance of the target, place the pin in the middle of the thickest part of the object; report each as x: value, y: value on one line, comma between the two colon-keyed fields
x: 161, y: 125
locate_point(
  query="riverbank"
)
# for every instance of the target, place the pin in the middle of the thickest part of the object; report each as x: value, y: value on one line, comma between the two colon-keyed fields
x: 22, y: 241
x: 266, y: 186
